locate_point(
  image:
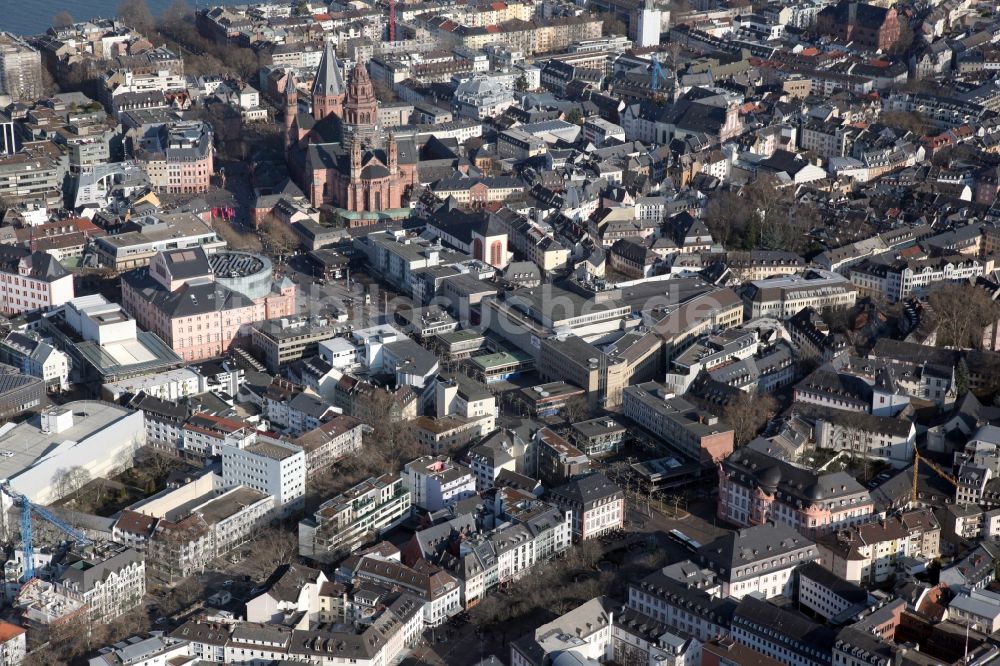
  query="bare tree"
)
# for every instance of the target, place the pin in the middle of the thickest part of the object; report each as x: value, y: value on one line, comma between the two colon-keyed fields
x: 136, y: 14
x: 177, y: 14
x: 390, y: 442
x: 243, y: 63
x: 237, y: 239
x: 576, y: 409
x: 62, y: 19
x: 748, y: 414
x: 280, y: 237
x: 910, y: 121
x: 727, y: 218
x: 68, y: 481
x: 273, y: 548
x: 962, y: 312
x: 905, y: 40
x: 181, y: 596
x: 612, y: 26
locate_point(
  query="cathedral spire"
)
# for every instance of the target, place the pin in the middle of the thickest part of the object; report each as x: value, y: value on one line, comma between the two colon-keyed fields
x: 329, y: 81
x: 291, y: 108
x: 328, y: 87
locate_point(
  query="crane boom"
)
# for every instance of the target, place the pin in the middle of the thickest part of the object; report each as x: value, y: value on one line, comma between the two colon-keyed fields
x: 917, y: 458
x: 27, y: 529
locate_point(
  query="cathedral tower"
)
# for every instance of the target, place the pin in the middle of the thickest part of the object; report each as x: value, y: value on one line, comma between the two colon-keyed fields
x: 361, y: 109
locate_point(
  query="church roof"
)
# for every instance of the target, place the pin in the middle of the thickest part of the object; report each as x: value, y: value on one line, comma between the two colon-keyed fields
x: 337, y: 156
x: 373, y: 171
x: 329, y: 81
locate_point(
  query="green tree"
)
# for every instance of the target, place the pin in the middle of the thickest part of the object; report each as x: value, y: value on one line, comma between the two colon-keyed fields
x: 575, y: 117
x: 521, y: 84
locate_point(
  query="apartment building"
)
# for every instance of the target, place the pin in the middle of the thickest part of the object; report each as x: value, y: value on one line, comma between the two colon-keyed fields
x: 459, y: 396
x: 271, y: 466
x: 235, y: 517
x: 20, y: 69
x: 178, y: 547
x: 699, y: 435
x: 331, y: 441
x: 533, y: 239
x: 110, y: 581
x: 278, y: 342
x: 394, y: 627
x: 602, y: 630
x: 32, y: 281
x: 555, y: 461
x: 342, y: 524
x: 439, y: 590
x: 33, y: 175
x: 13, y: 644
x: 829, y: 596
x: 502, y: 450
x: 177, y: 157
x: 685, y: 597
x: 885, y: 437
x: 869, y: 553
x: 36, y: 358
x: 487, y: 560
x: 596, y: 503
x: 895, y: 280
x: 203, y: 435
x: 435, y: 482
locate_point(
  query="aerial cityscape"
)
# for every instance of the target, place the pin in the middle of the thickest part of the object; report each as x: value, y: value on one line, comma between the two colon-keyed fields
x: 500, y: 333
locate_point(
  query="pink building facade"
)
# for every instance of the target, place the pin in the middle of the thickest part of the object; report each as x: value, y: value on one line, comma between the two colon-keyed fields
x: 35, y: 281
x: 177, y: 298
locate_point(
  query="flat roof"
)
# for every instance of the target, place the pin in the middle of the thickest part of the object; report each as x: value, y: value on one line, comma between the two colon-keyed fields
x: 270, y: 450
x: 23, y: 444
x: 136, y: 384
x: 229, y: 504
x: 551, y: 390
x: 465, y: 335
x: 165, y: 227
x: 500, y: 359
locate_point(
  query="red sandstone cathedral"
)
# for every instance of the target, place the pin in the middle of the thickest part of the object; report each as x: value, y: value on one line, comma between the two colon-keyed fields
x: 337, y: 154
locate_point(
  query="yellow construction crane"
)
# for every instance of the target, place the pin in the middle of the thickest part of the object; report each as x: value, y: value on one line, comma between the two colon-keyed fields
x: 917, y: 458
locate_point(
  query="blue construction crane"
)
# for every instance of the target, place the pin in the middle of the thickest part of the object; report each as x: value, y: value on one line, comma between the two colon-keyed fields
x: 26, y: 528
x: 656, y: 75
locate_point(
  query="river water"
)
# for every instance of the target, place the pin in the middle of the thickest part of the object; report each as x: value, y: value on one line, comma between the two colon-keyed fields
x: 33, y: 17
